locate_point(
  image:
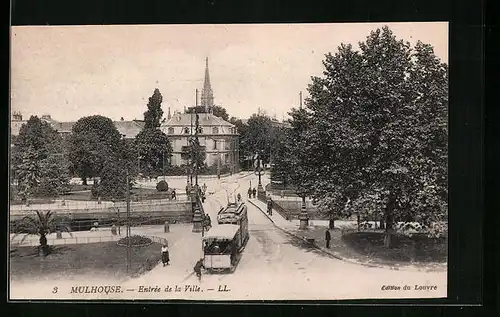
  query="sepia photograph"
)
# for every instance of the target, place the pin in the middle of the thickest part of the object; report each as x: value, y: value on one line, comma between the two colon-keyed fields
x: 229, y: 162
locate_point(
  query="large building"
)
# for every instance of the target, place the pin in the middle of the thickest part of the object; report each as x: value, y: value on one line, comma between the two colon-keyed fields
x: 219, y: 137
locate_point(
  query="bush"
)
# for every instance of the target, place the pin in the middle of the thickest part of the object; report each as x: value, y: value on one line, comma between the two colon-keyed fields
x: 135, y: 240
x: 162, y: 186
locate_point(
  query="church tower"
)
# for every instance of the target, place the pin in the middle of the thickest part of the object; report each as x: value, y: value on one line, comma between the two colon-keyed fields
x: 207, y: 95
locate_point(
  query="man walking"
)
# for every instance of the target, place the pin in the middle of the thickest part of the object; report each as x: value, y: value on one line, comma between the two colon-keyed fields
x: 254, y: 192
x: 197, y: 268
x: 328, y: 237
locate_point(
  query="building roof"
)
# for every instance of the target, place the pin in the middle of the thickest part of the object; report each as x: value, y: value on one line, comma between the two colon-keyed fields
x: 129, y: 128
x: 205, y: 119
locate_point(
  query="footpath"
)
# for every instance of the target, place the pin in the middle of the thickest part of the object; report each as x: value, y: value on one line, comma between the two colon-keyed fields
x: 315, y: 235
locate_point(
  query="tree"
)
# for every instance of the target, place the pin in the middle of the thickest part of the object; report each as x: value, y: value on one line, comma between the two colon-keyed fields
x: 260, y: 137
x: 282, y: 163
x: 152, y: 117
x: 152, y: 145
x: 40, y: 160
x: 242, y: 128
x: 41, y: 225
x: 220, y: 112
x: 93, y: 141
x: 154, y: 149
x: 377, y: 131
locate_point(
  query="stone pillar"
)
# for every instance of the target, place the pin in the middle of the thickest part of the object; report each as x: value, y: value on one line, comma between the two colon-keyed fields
x: 197, y: 220
x: 303, y: 217
x: 166, y: 227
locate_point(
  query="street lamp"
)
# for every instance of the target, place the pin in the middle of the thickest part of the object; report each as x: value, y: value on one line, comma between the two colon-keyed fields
x: 127, y: 197
x: 259, y: 170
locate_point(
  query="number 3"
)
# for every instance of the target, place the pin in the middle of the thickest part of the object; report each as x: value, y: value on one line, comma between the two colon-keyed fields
x: 54, y: 290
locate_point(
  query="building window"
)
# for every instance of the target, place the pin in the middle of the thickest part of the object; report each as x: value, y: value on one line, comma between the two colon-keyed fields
x: 186, y: 130
x: 170, y: 130
x: 215, y: 130
x: 200, y: 130
x: 215, y: 144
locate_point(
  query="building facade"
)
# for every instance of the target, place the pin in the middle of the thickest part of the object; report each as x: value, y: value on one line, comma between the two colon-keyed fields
x: 218, y: 137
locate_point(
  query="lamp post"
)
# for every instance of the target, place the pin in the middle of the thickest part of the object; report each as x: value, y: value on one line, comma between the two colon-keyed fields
x: 259, y: 169
x: 127, y: 197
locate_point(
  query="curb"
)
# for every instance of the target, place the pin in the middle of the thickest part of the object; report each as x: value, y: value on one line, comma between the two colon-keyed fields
x: 335, y: 255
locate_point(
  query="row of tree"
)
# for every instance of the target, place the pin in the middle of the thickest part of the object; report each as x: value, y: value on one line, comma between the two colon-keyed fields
x: 372, y: 137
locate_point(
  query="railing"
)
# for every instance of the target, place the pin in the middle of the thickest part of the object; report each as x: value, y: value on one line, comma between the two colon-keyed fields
x: 71, y: 206
x: 284, y: 213
x: 80, y: 240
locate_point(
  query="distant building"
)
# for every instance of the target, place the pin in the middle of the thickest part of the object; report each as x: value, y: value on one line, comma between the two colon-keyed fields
x: 219, y: 137
x: 127, y: 128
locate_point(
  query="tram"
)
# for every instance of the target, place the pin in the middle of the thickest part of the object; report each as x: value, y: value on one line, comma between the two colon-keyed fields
x: 223, y: 245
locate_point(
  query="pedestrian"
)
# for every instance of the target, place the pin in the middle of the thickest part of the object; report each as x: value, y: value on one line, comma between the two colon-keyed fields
x: 269, y: 206
x: 328, y: 237
x: 165, y: 257
x: 254, y: 192
x: 174, y: 197
x: 204, y: 188
x: 239, y: 197
x: 250, y: 193
x: 197, y: 268
x: 209, y: 221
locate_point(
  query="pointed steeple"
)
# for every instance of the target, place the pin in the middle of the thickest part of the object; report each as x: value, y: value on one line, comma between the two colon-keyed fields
x: 207, y: 95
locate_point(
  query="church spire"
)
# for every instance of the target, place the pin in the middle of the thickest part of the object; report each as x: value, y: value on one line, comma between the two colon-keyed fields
x: 207, y: 95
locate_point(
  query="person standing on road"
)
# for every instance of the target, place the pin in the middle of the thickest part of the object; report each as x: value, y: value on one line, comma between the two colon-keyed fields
x: 173, y: 195
x: 328, y: 237
x: 269, y: 206
x: 197, y: 268
x: 250, y: 193
x: 165, y: 257
x: 254, y: 192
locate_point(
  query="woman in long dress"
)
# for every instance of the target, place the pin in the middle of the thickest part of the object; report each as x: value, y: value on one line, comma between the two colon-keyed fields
x: 165, y: 258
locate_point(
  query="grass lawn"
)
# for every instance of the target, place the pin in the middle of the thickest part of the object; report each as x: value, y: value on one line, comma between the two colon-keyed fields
x: 102, y: 259
x: 368, y: 247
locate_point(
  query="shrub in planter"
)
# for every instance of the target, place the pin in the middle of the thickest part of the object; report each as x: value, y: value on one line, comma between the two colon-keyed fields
x: 162, y: 186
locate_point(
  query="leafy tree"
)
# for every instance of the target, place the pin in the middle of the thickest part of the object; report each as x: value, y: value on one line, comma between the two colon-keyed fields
x: 93, y: 141
x: 260, y: 137
x: 220, y: 112
x: 376, y: 134
x: 282, y: 164
x: 152, y: 117
x: 41, y: 225
x: 40, y: 160
x: 151, y: 144
x: 242, y: 128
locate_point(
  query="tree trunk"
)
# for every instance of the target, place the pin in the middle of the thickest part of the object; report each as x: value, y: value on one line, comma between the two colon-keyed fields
x: 389, y: 222
x: 382, y: 226
x: 331, y: 223
x: 358, y: 220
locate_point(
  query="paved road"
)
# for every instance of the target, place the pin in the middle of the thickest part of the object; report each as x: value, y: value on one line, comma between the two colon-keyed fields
x: 274, y: 266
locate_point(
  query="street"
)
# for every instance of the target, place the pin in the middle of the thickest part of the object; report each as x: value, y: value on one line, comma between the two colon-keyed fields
x: 274, y: 266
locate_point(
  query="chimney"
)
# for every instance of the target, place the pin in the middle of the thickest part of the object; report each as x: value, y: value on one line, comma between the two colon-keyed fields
x: 121, y: 119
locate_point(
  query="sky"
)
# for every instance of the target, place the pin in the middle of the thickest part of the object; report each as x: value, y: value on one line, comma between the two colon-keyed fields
x: 75, y: 71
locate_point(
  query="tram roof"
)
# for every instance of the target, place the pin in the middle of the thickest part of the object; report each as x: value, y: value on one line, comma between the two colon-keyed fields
x: 226, y: 231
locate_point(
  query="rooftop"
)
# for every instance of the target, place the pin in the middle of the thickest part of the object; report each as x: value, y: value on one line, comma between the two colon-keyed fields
x: 205, y: 119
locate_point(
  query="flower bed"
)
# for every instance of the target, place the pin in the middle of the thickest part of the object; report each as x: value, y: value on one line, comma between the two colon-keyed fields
x: 135, y: 241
